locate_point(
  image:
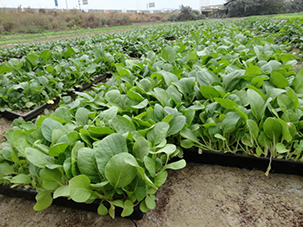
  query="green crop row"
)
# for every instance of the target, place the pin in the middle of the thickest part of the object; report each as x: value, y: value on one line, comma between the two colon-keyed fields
x: 214, y: 86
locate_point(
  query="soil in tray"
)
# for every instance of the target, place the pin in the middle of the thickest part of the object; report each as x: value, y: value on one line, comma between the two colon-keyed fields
x: 5, y: 125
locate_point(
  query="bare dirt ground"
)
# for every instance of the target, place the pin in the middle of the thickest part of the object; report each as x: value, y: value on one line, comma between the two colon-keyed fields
x: 4, y: 126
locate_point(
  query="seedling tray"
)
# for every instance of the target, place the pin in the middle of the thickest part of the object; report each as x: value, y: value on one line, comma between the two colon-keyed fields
x: 29, y: 194
x: 244, y: 161
x: 11, y: 115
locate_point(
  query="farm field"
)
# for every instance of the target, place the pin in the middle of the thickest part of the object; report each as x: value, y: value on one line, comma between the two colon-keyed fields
x: 224, y: 86
x: 10, y: 40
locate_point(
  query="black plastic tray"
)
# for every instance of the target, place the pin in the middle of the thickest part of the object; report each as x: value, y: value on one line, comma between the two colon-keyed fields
x: 244, y: 161
x: 11, y: 115
x: 30, y: 194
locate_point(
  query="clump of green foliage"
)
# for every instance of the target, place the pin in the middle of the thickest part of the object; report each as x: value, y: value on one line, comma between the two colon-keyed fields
x: 186, y: 14
x: 240, y: 8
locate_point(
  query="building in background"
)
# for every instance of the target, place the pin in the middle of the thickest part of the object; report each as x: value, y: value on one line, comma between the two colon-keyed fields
x: 214, y: 11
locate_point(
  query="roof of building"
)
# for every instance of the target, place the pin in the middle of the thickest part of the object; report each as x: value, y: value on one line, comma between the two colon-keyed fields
x: 212, y: 7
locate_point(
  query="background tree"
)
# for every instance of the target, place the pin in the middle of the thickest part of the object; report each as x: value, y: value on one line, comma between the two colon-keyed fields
x: 239, y: 8
x: 186, y: 14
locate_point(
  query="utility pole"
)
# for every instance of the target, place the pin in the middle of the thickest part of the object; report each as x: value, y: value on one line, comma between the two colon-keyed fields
x: 66, y: 5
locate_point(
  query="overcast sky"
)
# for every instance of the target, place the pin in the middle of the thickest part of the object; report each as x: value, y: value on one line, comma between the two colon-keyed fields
x: 110, y: 4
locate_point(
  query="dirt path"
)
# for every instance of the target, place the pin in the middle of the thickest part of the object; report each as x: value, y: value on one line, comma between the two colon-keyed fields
x: 4, y: 126
x: 200, y: 195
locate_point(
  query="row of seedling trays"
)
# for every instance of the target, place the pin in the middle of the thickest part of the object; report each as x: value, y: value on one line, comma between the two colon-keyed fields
x: 192, y: 155
x: 11, y: 115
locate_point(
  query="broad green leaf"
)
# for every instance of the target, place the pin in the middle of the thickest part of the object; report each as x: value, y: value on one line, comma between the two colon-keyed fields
x: 167, y: 76
x: 44, y: 200
x: 122, y: 125
x: 141, y: 148
x: 82, y: 116
x: 57, y: 149
x: 228, y: 104
x: 109, y: 114
x: 150, y: 165
x: 176, y: 125
x: 271, y: 65
x: 58, y: 134
x: 169, y: 54
x: 63, y: 113
x: 118, y: 203
x: 6, y: 169
x: 38, y: 158
x: 204, y: 77
x: 74, y: 167
x: 62, y: 191
x: 134, y: 96
x: 272, y: 129
x: 87, y: 165
x: 141, y: 105
x: 150, y: 202
x: 294, y: 97
x: 257, y: 104
x: 67, y: 166
x: 220, y: 137
x: 287, y: 127
x: 168, y: 149
x: 162, y: 96
x: 175, y: 94
x: 111, y: 211
x: 188, y: 134
x: 102, y: 210
x: 79, y: 188
x: 209, y: 92
x: 51, y: 179
x: 231, y: 80
x: 20, y: 142
x: 253, y: 70
x: 41, y: 147
x: 48, y: 126
x: 107, y: 148
x: 143, y: 207
x: 160, y: 178
x: 280, y: 148
x: 98, y: 132
x: 118, y: 172
x: 20, y: 179
x: 33, y: 59
x: 128, y: 208
x: 229, y: 124
x: 175, y: 165
x: 253, y: 129
x: 297, y: 83
x: 278, y: 79
x: 158, y: 133
x: 131, y: 161
x: 187, y: 143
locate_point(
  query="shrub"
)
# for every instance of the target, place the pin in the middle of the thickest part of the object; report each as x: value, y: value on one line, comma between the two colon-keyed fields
x: 187, y: 13
x: 30, y: 21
